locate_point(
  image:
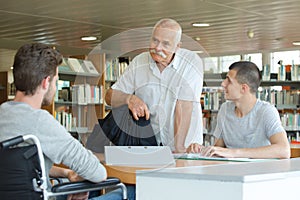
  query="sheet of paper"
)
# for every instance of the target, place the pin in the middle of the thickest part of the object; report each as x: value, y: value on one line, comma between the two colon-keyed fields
x: 191, y: 156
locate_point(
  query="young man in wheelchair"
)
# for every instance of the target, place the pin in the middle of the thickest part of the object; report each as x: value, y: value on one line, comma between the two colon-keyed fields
x: 35, y: 72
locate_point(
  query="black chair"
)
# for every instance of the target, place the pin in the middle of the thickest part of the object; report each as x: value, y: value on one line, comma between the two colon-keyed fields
x: 23, y: 176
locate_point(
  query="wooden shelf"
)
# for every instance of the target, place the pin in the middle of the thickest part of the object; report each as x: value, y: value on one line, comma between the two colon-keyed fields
x: 215, y: 80
x: 295, y: 84
x: 3, y: 87
x: 85, y: 115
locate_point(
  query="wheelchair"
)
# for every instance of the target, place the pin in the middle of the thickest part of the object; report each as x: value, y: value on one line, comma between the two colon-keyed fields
x: 23, y: 174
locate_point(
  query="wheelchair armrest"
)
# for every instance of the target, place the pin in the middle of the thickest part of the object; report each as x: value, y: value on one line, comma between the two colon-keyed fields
x: 11, y: 142
x: 55, y: 181
x: 82, y: 185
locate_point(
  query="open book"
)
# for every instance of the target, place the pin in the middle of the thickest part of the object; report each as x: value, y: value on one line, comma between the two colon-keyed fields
x: 194, y: 156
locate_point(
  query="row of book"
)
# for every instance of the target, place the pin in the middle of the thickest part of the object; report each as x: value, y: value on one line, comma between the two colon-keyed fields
x: 72, y: 122
x: 291, y: 121
x: 83, y: 94
x: 209, y: 123
x: 114, y: 69
x: 212, y: 100
x: 77, y: 66
x: 66, y: 119
x: 279, y: 97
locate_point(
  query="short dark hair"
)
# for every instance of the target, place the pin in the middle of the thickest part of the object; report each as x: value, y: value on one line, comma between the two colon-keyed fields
x: 247, y: 73
x: 33, y: 63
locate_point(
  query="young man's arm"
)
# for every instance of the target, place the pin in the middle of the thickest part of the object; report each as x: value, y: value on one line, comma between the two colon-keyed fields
x: 59, y: 172
x: 279, y: 148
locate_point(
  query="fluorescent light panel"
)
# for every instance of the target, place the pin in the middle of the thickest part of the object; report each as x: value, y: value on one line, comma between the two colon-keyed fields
x: 88, y: 38
x: 197, y: 24
x: 198, y: 51
x: 296, y: 43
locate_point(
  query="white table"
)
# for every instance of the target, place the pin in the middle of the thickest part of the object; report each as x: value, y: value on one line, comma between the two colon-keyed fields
x: 268, y: 180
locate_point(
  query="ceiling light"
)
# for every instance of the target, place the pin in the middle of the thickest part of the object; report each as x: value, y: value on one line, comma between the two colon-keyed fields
x: 297, y: 43
x: 250, y: 34
x: 197, y: 38
x: 196, y: 24
x: 198, y: 52
x: 88, y: 38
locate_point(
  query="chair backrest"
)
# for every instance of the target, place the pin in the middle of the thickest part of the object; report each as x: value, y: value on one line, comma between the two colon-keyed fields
x: 23, y: 174
x: 19, y: 171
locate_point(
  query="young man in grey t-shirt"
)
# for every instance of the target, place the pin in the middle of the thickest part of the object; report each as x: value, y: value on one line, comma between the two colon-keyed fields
x: 246, y: 126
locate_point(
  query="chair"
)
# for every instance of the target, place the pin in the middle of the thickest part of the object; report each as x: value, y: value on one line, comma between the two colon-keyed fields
x: 23, y: 176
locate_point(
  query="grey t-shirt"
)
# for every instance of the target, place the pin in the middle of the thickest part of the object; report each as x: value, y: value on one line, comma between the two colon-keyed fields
x: 250, y: 131
x: 57, y: 144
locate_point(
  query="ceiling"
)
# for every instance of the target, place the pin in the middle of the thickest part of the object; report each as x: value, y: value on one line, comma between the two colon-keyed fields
x: 275, y: 23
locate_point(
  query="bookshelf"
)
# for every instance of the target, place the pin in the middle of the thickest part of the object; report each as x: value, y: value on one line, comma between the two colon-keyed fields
x: 81, y: 77
x: 78, y: 103
x: 114, y: 68
x: 285, y: 95
x: 3, y: 87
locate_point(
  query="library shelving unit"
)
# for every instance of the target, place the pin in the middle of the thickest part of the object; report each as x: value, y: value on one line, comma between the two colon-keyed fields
x: 114, y: 68
x: 3, y: 87
x: 285, y: 95
x: 78, y: 103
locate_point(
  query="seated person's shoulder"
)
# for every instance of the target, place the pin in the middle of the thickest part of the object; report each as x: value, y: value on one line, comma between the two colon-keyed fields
x: 264, y: 108
x: 264, y: 105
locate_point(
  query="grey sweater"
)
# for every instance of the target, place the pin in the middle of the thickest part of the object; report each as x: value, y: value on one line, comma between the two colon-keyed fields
x: 58, y: 145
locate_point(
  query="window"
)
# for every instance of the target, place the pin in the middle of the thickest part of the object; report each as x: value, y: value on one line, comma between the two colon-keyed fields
x: 287, y: 57
x: 226, y: 61
x: 221, y: 64
x: 211, y: 65
x: 255, y: 58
